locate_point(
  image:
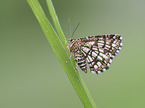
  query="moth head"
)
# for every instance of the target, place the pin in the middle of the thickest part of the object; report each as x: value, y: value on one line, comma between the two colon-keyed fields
x: 71, y: 40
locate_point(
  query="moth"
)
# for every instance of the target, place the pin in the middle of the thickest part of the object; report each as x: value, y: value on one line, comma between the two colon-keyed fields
x: 97, y: 51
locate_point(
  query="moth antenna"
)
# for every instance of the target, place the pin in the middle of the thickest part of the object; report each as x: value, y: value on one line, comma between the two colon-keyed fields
x: 70, y: 26
x: 74, y: 29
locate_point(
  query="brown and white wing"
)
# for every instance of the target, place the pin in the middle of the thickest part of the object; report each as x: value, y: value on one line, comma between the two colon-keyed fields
x: 81, y: 60
x: 100, y: 50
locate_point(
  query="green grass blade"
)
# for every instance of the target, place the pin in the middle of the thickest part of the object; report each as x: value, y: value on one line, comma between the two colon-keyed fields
x: 58, y: 27
x: 61, y: 53
x: 55, y: 20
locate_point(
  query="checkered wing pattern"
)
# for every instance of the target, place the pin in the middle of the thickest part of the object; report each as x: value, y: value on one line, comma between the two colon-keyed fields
x: 81, y: 60
x: 98, y: 51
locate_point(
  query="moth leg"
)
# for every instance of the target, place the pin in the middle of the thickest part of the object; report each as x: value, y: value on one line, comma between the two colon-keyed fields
x: 65, y: 42
x: 76, y: 66
x: 71, y: 53
x: 66, y: 49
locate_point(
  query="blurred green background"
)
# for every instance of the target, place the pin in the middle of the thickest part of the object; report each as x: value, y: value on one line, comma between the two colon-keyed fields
x: 31, y: 75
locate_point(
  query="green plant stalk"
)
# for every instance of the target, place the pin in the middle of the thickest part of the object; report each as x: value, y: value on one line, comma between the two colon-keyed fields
x: 55, y: 20
x: 62, y: 38
x: 60, y: 51
x: 58, y: 27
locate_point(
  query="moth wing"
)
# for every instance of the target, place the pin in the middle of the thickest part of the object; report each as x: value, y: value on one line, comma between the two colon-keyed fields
x: 100, y: 50
x: 81, y: 60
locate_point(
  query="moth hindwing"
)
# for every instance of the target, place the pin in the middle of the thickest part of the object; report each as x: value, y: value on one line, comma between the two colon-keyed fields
x: 98, y: 51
